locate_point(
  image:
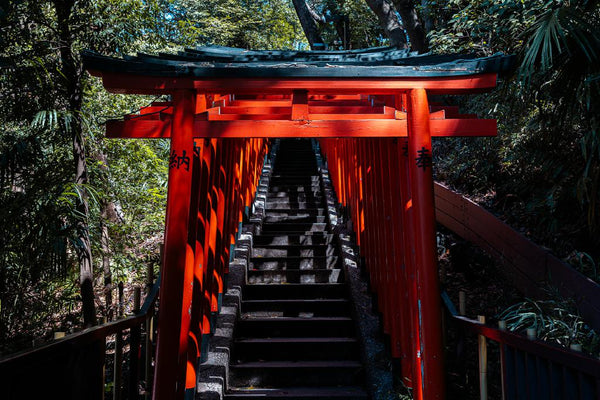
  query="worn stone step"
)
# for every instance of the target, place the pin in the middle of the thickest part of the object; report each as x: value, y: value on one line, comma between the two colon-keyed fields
x: 292, y: 197
x: 294, y: 251
x: 305, y: 238
x: 294, y: 188
x: 295, y: 349
x: 299, y: 393
x: 295, y: 327
x: 295, y: 276
x: 294, y: 211
x: 297, y: 169
x: 289, y: 227
x: 293, y: 263
x: 298, y: 307
x: 292, y: 373
x: 295, y: 291
x: 299, y: 218
x: 276, y: 180
x: 301, y: 205
x: 288, y: 193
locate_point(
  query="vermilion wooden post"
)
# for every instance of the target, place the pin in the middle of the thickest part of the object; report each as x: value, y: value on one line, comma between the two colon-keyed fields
x: 381, y: 245
x: 400, y: 293
x: 195, y: 341
x: 200, y: 309
x: 219, y: 261
x: 171, y: 352
x: 364, y: 159
x: 410, y: 261
x: 373, y: 223
x: 239, y: 184
x: 208, y: 256
x: 429, y: 304
x: 361, y: 192
x: 212, y: 268
x: 388, y: 225
x: 189, y: 319
x: 229, y: 207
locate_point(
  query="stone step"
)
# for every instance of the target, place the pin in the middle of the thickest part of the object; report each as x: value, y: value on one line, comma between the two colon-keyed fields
x: 300, y: 393
x: 301, y: 205
x: 299, y: 180
x: 293, y: 263
x: 295, y: 188
x: 295, y: 327
x: 295, y: 291
x: 288, y: 193
x: 299, y: 218
x: 291, y: 197
x: 293, y: 373
x: 289, y: 227
x: 295, y: 349
x: 305, y: 276
x: 297, y: 307
x: 294, y: 251
x: 305, y: 238
x: 294, y: 211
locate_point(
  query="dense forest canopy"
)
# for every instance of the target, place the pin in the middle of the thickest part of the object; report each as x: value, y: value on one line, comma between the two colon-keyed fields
x: 81, y: 213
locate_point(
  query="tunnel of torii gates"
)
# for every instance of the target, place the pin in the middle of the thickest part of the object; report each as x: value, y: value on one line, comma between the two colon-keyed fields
x: 373, y: 113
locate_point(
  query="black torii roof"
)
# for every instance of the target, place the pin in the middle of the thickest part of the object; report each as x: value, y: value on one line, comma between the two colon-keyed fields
x: 229, y: 62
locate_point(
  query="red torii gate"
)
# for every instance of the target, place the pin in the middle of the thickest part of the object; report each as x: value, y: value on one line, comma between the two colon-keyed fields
x: 226, y: 103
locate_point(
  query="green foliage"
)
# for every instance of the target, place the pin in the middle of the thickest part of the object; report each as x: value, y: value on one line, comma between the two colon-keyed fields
x: 543, y: 169
x: 484, y: 26
x: 554, y: 321
x: 239, y: 23
x: 38, y: 200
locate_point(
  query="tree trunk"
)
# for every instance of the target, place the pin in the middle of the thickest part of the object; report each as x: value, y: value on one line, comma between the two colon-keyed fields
x: 84, y: 252
x: 389, y: 22
x: 426, y: 16
x: 104, y: 242
x: 412, y: 25
x: 309, y: 21
x: 108, y: 214
x: 72, y: 73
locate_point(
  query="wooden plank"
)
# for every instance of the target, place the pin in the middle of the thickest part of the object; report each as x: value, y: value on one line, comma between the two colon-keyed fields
x: 141, y: 128
x: 249, y: 117
x: 261, y: 103
x: 140, y: 84
x: 456, y: 84
x: 500, y: 236
x: 300, y: 105
x: 256, y: 109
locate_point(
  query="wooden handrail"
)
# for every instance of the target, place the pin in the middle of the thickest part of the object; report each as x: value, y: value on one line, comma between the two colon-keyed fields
x: 573, y: 367
x: 528, y: 266
x: 85, y: 336
x: 557, y: 354
x: 74, y: 367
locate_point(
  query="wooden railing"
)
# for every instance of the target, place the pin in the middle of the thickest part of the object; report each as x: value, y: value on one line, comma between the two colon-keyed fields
x: 528, y: 266
x: 530, y: 368
x: 75, y: 367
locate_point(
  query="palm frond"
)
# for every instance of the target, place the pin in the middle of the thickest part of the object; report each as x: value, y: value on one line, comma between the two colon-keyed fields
x: 559, y: 35
x: 53, y: 119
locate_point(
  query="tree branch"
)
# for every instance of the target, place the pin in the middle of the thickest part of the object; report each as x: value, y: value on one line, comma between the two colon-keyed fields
x: 413, y: 26
x: 309, y: 20
x: 389, y: 22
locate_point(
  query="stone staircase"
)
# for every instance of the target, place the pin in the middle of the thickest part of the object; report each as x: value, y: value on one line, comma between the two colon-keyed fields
x: 295, y: 337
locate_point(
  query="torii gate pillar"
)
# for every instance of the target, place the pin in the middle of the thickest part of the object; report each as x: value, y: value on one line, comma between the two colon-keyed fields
x: 430, y: 363
x: 178, y: 261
